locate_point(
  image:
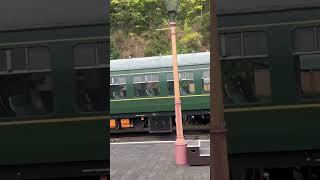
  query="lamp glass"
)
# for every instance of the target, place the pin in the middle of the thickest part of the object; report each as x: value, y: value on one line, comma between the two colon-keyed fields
x: 172, y: 8
x: 172, y: 5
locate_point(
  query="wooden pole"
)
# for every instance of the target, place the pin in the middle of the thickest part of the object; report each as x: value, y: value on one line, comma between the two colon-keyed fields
x: 219, y: 168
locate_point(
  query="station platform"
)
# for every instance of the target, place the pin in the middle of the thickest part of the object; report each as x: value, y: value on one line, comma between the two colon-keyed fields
x: 153, y: 160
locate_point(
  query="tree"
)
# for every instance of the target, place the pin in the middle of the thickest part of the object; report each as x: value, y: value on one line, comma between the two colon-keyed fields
x: 134, y: 24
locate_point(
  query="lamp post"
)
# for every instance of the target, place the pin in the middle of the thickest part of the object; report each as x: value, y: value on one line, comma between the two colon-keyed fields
x: 219, y: 169
x: 181, y: 157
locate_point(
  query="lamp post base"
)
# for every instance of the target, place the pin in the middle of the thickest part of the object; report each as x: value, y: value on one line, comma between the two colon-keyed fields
x: 181, y: 152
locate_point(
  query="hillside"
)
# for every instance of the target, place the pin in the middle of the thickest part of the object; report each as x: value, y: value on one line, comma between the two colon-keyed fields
x: 134, y: 25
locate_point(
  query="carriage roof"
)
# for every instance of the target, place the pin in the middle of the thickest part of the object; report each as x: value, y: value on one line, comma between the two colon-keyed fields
x: 32, y: 14
x: 248, y: 6
x: 159, y: 62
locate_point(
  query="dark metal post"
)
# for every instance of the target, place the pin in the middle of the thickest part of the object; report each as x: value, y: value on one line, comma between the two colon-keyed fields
x: 219, y: 168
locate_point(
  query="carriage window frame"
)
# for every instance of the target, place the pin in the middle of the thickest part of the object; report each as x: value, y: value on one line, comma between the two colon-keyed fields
x: 268, y: 99
x: 10, y: 57
x: 3, y: 62
x: 100, y: 59
x: 87, y: 68
x: 315, y: 37
x: 205, y: 75
x: 29, y: 72
x: 185, y: 75
x: 121, y: 81
x: 223, y: 44
x: 146, y: 79
x: 39, y: 70
x: 314, y: 96
x: 97, y: 62
x: 223, y: 49
x: 296, y: 56
x: 28, y: 69
x: 260, y: 36
x: 112, y: 80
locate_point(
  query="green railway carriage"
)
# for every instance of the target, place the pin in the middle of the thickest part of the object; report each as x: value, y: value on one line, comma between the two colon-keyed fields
x: 270, y: 66
x: 142, y: 89
x: 53, y: 69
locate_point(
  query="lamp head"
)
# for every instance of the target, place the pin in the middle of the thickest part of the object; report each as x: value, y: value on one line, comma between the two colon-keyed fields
x: 172, y: 8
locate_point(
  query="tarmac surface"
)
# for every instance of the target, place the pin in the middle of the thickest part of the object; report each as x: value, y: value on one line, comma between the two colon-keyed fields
x: 153, y: 160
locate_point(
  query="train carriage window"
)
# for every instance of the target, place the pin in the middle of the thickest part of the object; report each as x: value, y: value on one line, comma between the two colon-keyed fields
x: 91, y: 87
x: 155, y: 77
x: 170, y: 76
x: 3, y: 61
x: 243, y: 44
x: 187, y: 85
x: 246, y: 81
x: 25, y: 92
x: 255, y: 43
x: 118, y: 88
x: 146, y: 85
x: 38, y: 58
x: 102, y: 53
x: 85, y: 55
x: 304, y: 39
x: 309, y: 66
x: 231, y: 44
x: 318, y: 38
x: 206, y: 81
x: 18, y: 58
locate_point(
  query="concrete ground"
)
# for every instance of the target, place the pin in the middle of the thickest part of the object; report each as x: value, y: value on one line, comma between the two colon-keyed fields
x: 151, y: 161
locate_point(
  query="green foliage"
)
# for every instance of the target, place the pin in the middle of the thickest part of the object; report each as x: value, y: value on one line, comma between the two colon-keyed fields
x: 157, y: 46
x: 136, y: 17
x: 190, y: 41
x: 114, y: 52
x: 137, y: 20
